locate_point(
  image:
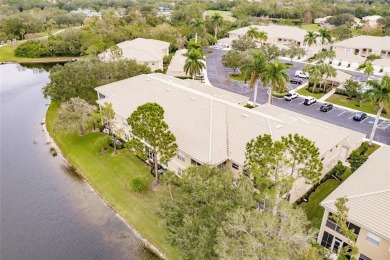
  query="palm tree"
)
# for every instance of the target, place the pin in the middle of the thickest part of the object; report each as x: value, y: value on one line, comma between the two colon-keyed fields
x: 276, y: 75
x: 192, y: 45
x: 216, y: 21
x: 325, y: 36
x: 254, y: 33
x: 310, y: 38
x: 315, y: 74
x: 254, y: 71
x: 198, y: 26
x: 369, y: 69
x: 194, y: 63
x: 379, y: 95
x: 329, y: 71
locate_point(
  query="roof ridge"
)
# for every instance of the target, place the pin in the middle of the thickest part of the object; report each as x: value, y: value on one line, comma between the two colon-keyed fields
x: 361, y: 195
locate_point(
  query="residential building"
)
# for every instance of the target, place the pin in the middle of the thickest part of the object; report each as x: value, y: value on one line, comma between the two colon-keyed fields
x: 381, y: 66
x: 212, y: 125
x: 364, y: 45
x: 86, y: 12
x: 368, y: 194
x: 338, y: 80
x: 277, y: 34
x: 371, y: 21
x: 144, y: 51
x: 176, y: 66
x: 322, y: 20
x: 347, y: 60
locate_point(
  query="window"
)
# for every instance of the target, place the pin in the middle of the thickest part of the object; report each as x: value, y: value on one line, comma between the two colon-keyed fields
x: 332, y: 225
x: 372, y: 239
x: 363, y: 257
x: 195, y: 162
x: 181, y: 155
x: 179, y: 171
x: 348, y: 50
x: 101, y: 96
x: 326, y: 240
x: 235, y: 166
x: 127, y: 137
x: 322, y: 159
x: 125, y: 123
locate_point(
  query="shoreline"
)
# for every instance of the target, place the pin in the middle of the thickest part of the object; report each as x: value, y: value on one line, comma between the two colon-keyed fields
x: 147, y: 244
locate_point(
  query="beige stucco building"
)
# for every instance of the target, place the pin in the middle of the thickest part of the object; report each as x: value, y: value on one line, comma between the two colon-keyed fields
x: 212, y: 125
x: 368, y: 193
x: 144, y: 51
x: 176, y: 67
x: 364, y: 45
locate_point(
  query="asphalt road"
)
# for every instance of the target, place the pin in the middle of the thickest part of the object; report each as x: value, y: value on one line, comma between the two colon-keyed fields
x: 217, y: 75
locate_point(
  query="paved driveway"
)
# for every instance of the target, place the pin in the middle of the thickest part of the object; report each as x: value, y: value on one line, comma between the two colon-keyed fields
x: 217, y: 75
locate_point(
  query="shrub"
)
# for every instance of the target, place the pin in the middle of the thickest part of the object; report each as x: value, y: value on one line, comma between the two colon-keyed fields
x: 138, y: 184
x: 53, y: 151
x: 279, y: 95
x: 103, y: 143
x: 356, y: 160
x: 362, y: 66
x: 341, y: 91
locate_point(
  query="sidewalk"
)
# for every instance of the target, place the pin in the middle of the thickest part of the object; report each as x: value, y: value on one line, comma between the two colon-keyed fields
x: 327, y: 95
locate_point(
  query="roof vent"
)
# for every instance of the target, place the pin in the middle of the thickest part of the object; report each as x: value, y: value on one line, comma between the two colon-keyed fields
x: 278, y: 126
x: 245, y: 115
x: 168, y: 89
x: 193, y: 98
x: 147, y: 79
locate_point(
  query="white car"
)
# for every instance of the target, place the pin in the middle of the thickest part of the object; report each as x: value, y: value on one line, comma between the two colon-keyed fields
x: 301, y: 74
x: 290, y: 96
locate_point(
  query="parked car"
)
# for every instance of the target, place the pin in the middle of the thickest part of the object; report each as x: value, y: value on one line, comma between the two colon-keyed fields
x: 359, y: 116
x: 290, y: 96
x: 309, y: 101
x: 326, y: 107
x: 2, y: 43
x: 301, y: 74
x: 298, y: 81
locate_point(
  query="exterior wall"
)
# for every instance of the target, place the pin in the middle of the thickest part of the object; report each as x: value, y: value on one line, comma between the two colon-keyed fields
x: 372, y: 251
x: 154, y: 65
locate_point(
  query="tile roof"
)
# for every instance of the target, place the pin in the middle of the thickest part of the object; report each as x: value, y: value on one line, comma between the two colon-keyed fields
x: 276, y: 31
x: 208, y: 123
x: 381, y: 62
x: 349, y: 57
x: 176, y: 66
x: 368, y: 193
x: 140, y: 49
x: 365, y: 41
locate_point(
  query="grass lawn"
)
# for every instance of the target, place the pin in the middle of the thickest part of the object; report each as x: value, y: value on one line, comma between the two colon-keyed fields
x: 110, y: 176
x: 46, y: 33
x: 310, y: 27
x: 226, y: 15
x: 314, y: 211
x: 7, y: 55
x: 365, y: 106
x: 305, y: 92
x: 237, y: 77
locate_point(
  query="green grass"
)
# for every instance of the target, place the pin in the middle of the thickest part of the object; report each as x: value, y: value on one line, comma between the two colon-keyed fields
x: 46, y: 33
x: 7, y: 54
x: 310, y: 27
x: 110, y: 176
x: 314, y: 211
x: 305, y: 92
x: 237, y: 77
x: 343, y: 101
x: 226, y: 15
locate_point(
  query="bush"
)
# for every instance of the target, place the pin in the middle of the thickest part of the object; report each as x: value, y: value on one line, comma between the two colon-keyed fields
x: 138, y: 184
x: 362, y: 66
x: 341, y: 91
x: 279, y: 95
x: 103, y: 143
x: 356, y: 160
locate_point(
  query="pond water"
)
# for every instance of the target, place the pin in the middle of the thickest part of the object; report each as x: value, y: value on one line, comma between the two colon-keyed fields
x: 48, y: 211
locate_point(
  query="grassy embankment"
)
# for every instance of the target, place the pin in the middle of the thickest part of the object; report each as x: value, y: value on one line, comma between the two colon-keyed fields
x: 226, y: 15
x: 110, y: 176
x: 236, y: 77
x: 310, y: 27
x: 364, y: 107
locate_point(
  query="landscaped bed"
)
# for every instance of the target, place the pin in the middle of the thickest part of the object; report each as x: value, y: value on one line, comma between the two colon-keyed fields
x: 364, y: 107
x: 239, y: 77
x: 110, y: 176
x: 305, y: 92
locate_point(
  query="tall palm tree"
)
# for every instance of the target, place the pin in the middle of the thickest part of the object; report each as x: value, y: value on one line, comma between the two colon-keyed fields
x: 194, y: 63
x: 192, y: 45
x: 197, y: 26
x: 276, y: 75
x: 325, y: 36
x: 310, y: 38
x: 315, y: 74
x: 379, y: 95
x: 329, y: 71
x: 254, y: 71
x: 216, y: 21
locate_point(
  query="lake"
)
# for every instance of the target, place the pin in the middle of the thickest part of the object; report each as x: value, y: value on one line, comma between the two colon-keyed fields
x: 47, y: 210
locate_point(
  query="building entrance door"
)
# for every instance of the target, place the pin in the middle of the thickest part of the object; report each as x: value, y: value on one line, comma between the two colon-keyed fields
x: 337, y: 244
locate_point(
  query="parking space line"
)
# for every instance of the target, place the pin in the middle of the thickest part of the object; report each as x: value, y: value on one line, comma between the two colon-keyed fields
x: 342, y: 113
x: 364, y: 120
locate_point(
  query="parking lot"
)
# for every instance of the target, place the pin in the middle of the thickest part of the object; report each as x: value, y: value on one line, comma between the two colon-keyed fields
x: 217, y: 75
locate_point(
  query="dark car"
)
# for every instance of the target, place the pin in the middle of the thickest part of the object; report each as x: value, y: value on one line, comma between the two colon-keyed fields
x: 296, y: 81
x: 359, y: 116
x: 326, y: 107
